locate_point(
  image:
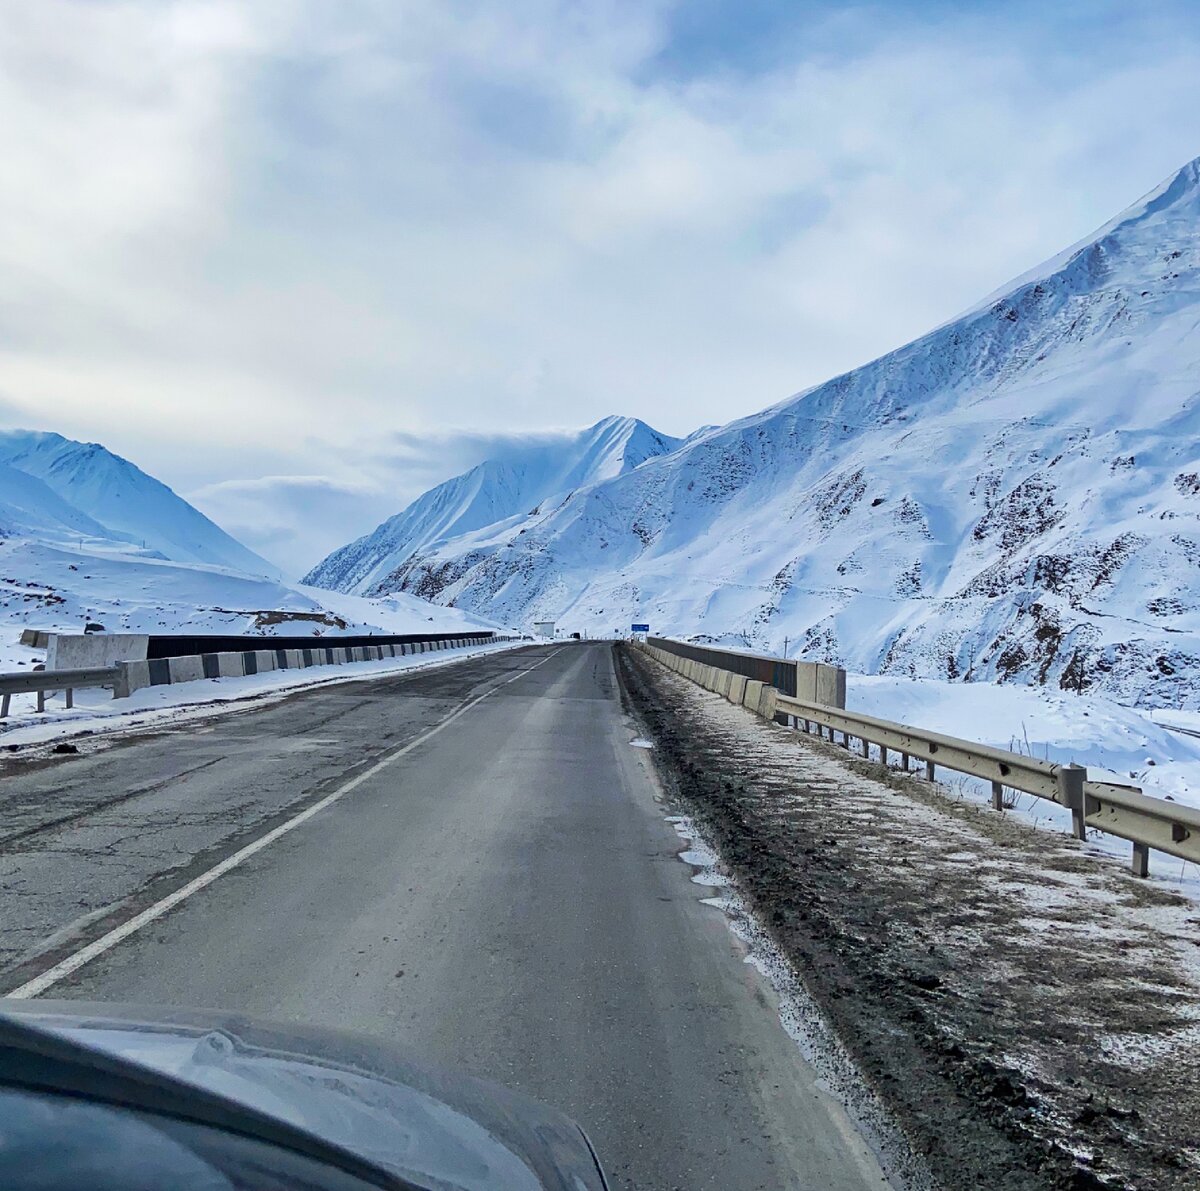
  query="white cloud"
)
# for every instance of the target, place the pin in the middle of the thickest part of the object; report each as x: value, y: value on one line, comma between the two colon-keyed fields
x: 292, y: 520
x: 249, y: 238
x: 295, y: 520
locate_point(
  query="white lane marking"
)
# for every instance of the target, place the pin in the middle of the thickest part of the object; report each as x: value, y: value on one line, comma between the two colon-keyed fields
x: 50, y: 977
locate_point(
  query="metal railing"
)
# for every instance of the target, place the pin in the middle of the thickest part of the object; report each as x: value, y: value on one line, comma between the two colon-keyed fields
x: 40, y: 681
x: 1123, y: 811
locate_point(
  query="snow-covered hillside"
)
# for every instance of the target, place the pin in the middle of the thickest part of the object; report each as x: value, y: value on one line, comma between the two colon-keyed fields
x: 528, y: 478
x: 50, y: 587
x: 129, y: 505
x: 73, y: 518
x: 1014, y: 496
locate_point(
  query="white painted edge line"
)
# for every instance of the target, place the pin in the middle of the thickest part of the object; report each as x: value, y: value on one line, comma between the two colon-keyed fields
x: 50, y: 977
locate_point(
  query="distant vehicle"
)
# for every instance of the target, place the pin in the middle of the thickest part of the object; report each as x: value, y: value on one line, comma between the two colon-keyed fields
x: 118, y: 1098
x: 543, y: 628
x: 575, y: 637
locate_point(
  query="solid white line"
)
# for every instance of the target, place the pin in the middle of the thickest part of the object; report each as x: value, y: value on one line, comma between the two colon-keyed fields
x: 50, y: 977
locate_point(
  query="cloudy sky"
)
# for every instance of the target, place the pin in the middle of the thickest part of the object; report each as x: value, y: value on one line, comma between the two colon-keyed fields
x: 303, y: 259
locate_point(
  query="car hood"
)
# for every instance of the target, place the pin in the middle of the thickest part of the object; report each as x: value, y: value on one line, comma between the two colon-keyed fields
x: 441, y: 1130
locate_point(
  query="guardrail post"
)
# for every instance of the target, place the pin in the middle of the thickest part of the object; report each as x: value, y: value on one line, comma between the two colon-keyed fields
x: 997, y: 796
x: 70, y: 700
x: 904, y: 762
x: 1070, y: 788
x: 883, y: 755
x: 4, y: 706
x: 930, y: 770
x: 41, y: 700
x: 1141, y: 860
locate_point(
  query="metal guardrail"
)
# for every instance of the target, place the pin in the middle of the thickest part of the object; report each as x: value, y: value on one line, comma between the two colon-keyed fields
x: 40, y: 681
x: 1123, y: 811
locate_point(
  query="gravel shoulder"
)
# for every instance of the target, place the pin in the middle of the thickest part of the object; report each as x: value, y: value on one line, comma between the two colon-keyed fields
x: 1027, y: 1011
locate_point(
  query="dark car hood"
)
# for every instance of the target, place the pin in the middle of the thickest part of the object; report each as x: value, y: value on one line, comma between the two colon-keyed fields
x: 445, y: 1131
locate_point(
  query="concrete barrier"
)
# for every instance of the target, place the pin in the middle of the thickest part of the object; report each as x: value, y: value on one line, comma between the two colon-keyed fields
x: 76, y: 651
x: 767, y: 702
x: 817, y: 682
x: 188, y: 669
x: 131, y: 676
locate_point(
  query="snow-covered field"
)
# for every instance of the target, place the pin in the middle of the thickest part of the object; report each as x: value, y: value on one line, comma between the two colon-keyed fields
x: 1116, y: 743
x: 44, y: 586
x: 96, y: 711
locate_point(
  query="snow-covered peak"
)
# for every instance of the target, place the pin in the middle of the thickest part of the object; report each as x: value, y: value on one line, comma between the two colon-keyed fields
x: 524, y: 476
x: 1015, y: 495
x: 1171, y: 210
x: 132, y: 506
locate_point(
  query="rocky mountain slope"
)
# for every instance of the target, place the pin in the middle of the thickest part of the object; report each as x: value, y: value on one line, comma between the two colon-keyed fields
x: 528, y: 478
x: 1014, y: 496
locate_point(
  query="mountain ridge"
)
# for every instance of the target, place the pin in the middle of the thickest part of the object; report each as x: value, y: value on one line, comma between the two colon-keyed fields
x: 1013, y: 496
x: 489, y: 493
x: 128, y: 504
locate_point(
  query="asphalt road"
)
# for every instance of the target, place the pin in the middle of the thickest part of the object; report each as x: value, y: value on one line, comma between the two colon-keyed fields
x: 504, y: 897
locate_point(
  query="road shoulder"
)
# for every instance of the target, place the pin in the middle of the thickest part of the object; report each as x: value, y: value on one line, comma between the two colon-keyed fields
x: 1028, y: 1014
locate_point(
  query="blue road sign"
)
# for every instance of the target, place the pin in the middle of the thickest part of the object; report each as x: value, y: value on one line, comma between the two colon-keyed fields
x: 639, y: 628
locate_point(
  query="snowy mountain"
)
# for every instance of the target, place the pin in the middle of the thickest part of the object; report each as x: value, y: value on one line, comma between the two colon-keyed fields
x: 29, y: 508
x: 122, y: 501
x: 1014, y: 496
x: 73, y: 518
x: 54, y: 588
x: 529, y: 477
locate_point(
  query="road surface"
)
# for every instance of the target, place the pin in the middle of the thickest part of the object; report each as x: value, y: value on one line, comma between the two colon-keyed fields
x: 484, y: 875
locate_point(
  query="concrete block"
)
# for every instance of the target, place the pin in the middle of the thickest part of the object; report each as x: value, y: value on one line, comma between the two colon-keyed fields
x: 186, y: 669
x: 86, y: 651
x: 295, y: 659
x: 131, y: 676
x: 767, y: 702
x: 737, y: 688
x: 817, y: 682
x: 831, y: 686
x: 752, y: 694
x: 230, y: 665
x: 265, y: 659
